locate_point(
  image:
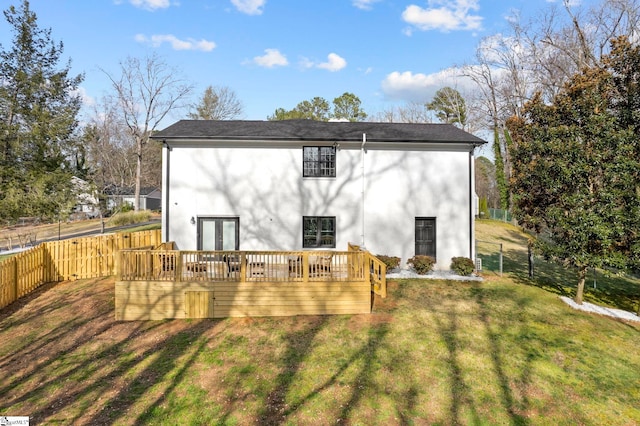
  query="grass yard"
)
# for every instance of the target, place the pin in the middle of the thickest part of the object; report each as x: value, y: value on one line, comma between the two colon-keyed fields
x: 503, y: 351
x: 601, y: 287
x: 433, y: 352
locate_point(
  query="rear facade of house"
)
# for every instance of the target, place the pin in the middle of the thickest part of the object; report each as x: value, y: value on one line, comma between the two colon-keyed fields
x: 396, y: 189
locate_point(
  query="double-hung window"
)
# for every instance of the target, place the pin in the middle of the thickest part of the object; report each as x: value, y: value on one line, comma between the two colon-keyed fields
x: 318, y: 231
x: 319, y: 161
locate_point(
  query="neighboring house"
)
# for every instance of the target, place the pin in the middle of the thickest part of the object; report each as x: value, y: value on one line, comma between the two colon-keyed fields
x: 86, y: 198
x: 397, y: 189
x: 150, y: 198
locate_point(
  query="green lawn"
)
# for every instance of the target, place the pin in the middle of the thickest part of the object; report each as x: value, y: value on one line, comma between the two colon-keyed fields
x: 602, y: 287
x: 503, y: 351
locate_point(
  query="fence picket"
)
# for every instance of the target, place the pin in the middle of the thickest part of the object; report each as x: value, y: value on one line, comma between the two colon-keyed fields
x: 79, y: 258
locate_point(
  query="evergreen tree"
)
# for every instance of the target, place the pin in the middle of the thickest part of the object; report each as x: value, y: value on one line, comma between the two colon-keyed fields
x: 38, y: 110
x: 576, y: 166
x: 449, y: 106
x: 345, y: 107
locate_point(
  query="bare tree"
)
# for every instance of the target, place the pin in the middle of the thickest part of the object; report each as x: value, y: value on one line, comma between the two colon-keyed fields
x: 540, y: 56
x: 217, y: 103
x: 411, y: 112
x: 110, y: 150
x: 146, y: 91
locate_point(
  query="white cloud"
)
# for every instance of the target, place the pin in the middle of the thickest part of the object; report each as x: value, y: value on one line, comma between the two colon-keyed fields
x: 444, y: 15
x: 419, y: 87
x: 86, y: 99
x: 364, y: 4
x: 334, y: 63
x: 306, y: 63
x: 250, y: 7
x: 271, y: 58
x: 151, y: 4
x: 176, y: 44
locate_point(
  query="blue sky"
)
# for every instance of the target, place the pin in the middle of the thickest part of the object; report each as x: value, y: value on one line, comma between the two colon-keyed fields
x: 276, y: 53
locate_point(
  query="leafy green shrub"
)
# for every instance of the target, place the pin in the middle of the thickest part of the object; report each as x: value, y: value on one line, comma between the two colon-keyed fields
x: 126, y: 207
x: 392, y: 262
x: 483, y: 208
x: 462, y: 266
x: 130, y: 218
x: 422, y: 264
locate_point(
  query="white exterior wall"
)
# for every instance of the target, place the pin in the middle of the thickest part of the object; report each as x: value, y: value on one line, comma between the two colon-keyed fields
x: 264, y: 187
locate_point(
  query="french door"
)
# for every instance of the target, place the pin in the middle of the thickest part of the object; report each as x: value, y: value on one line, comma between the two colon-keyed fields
x: 426, y: 236
x: 218, y: 233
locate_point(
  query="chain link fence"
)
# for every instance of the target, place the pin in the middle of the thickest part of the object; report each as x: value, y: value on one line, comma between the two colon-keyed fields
x: 499, y: 214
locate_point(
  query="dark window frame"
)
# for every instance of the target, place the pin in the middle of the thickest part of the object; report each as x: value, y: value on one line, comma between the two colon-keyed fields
x: 322, y: 235
x: 431, y: 244
x: 321, y: 163
x: 218, y: 223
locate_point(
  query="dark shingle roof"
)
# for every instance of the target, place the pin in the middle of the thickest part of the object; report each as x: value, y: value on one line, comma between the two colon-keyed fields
x: 124, y: 190
x: 302, y: 130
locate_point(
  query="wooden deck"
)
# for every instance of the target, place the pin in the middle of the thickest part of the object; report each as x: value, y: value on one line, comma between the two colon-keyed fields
x: 152, y: 285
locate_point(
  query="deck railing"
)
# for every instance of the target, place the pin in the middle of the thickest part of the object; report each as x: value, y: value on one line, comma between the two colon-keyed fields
x: 244, y: 266
x: 377, y: 270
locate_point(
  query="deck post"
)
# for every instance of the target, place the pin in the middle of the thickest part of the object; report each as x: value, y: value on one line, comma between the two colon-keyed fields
x: 118, y: 265
x: 305, y: 267
x: 243, y: 267
x: 178, y: 268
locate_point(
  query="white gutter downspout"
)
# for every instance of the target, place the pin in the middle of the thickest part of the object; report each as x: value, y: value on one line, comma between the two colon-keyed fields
x: 166, y: 151
x: 364, y: 141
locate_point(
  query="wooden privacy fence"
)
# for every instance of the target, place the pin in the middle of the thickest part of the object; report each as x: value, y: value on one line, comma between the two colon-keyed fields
x: 153, y: 284
x: 72, y: 259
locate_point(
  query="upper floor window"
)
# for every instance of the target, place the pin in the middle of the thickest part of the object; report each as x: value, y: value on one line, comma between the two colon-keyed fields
x: 319, y: 161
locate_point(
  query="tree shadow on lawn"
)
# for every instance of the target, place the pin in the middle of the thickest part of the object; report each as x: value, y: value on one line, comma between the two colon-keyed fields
x: 610, y: 289
x: 83, y: 366
x: 601, y: 287
x: 463, y: 406
x: 283, y: 400
x: 299, y: 346
x: 87, y: 368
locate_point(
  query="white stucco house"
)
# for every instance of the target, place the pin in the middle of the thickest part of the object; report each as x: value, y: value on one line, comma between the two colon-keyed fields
x: 397, y: 189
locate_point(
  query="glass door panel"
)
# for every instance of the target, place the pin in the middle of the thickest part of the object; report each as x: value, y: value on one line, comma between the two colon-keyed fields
x: 229, y: 232
x: 207, y: 235
x: 218, y: 233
